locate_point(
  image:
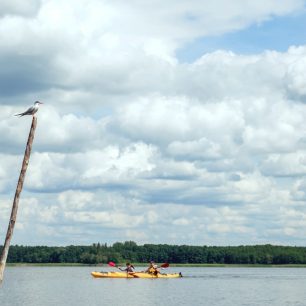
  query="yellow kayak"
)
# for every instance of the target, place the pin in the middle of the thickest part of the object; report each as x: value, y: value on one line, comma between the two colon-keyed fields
x: 134, y: 275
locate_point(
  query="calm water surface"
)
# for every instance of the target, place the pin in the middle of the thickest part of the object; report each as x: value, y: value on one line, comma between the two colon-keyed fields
x: 37, y: 286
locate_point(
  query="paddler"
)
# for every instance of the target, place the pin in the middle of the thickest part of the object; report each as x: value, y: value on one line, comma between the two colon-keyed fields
x: 153, y: 268
x: 129, y: 268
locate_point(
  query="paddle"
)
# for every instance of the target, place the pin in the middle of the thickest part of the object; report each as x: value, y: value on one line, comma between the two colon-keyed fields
x: 112, y: 264
x: 164, y: 265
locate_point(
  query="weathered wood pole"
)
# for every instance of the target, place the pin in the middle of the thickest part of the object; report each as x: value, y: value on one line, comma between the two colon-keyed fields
x: 11, y: 225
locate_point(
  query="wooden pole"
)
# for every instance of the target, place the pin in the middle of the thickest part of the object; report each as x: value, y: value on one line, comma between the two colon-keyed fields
x: 12, y: 222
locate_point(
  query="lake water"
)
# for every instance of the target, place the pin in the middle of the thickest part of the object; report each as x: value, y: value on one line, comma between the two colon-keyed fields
x: 38, y: 286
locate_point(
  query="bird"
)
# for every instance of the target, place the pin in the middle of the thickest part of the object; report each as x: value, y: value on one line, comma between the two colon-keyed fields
x: 32, y: 110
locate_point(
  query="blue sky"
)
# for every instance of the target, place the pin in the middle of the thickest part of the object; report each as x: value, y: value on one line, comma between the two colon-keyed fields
x: 278, y: 34
x: 155, y: 127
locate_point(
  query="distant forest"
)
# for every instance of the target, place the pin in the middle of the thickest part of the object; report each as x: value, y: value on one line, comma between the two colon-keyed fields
x: 130, y: 251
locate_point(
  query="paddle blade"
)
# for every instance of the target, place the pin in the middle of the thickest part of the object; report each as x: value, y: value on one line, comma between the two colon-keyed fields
x: 112, y: 264
x: 165, y: 265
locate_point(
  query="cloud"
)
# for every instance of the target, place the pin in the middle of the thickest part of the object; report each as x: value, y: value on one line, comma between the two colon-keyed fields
x: 296, y: 75
x: 19, y: 8
x: 132, y: 143
x: 97, y: 45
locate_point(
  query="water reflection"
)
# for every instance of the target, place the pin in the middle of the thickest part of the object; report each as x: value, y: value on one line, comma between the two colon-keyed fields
x: 199, y: 286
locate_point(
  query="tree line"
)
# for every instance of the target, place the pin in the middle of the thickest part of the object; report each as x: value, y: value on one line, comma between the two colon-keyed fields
x: 129, y: 251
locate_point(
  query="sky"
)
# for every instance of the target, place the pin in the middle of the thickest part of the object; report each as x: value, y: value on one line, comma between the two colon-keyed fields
x: 178, y: 122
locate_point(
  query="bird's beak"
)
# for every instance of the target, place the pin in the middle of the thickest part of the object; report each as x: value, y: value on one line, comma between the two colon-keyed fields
x: 40, y: 103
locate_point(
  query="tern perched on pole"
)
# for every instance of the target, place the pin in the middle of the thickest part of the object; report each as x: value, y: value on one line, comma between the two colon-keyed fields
x: 32, y: 110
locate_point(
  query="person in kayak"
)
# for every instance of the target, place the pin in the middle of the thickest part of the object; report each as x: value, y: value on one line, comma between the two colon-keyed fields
x: 152, y: 269
x: 129, y: 268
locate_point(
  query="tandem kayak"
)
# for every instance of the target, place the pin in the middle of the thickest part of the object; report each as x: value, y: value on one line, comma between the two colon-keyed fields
x: 134, y: 275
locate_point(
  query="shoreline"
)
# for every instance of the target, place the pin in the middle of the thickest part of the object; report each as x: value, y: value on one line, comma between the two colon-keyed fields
x: 171, y: 265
